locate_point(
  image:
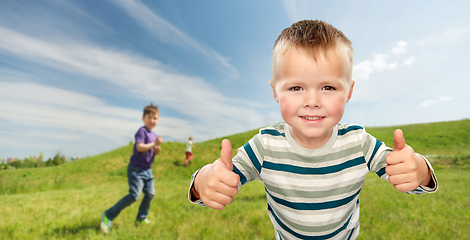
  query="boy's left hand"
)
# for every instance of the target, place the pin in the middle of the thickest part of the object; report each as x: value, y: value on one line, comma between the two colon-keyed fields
x: 159, y: 140
x: 406, y: 169
x: 157, y: 149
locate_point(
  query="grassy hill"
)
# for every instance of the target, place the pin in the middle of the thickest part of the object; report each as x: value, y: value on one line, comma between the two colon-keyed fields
x: 66, y: 201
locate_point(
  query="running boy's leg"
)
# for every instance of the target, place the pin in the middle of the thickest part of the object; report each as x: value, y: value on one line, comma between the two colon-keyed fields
x: 149, y: 193
x: 136, y: 184
x: 187, y: 158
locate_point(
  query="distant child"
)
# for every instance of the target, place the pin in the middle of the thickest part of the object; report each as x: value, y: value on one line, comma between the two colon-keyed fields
x: 139, y: 172
x: 188, y: 152
x: 312, y: 166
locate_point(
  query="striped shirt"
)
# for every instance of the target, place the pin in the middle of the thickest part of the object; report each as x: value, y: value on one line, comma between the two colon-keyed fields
x: 313, y: 193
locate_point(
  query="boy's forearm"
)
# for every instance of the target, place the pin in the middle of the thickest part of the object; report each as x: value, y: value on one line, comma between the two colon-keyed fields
x: 141, y: 147
x: 194, y: 190
x: 425, y: 172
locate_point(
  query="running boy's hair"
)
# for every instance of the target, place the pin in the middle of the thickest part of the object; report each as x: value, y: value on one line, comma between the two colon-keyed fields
x: 150, y: 109
x: 316, y: 38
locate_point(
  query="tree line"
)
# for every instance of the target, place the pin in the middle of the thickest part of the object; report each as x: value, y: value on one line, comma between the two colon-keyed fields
x: 34, y: 162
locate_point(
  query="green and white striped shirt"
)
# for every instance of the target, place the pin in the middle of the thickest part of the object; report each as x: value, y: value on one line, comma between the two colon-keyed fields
x: 313, y: 193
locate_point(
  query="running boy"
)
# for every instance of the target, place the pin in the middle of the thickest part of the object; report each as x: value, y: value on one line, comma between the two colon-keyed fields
x: 312, y: 167
x: 188, y: 152
x: 139, y: 172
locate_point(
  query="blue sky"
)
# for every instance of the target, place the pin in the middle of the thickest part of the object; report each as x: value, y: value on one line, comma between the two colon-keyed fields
x: 75, y: 75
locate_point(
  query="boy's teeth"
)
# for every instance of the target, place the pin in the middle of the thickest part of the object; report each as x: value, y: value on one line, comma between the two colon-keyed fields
x: 312, y: 118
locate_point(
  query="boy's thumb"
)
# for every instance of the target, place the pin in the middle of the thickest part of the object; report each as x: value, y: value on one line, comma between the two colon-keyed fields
x: 398, y: 140
x: 226, y: 154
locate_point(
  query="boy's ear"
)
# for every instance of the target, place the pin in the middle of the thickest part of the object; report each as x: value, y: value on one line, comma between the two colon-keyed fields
x: 274, y: 90
x: 351, y: 91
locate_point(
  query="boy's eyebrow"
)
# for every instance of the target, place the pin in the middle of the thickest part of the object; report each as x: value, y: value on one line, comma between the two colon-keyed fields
x: 338, y: 83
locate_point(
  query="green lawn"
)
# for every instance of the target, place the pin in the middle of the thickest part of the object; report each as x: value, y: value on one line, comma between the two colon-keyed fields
x: 66, y: 202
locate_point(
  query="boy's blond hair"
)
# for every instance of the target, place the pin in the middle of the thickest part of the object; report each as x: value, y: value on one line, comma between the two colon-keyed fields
x: 316, y: 38
x: 151, y: 109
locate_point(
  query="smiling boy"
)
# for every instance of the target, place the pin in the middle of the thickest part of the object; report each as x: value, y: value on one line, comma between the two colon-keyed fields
x: 312, y: 166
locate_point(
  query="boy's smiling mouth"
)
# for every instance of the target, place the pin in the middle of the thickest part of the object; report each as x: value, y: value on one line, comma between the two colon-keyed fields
x: 312, y: 118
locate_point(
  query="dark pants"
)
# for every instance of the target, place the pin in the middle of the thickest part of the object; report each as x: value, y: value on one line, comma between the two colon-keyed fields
x: 140, y: 180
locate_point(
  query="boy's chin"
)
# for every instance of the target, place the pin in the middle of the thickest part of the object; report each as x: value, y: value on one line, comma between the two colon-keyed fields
x: 319, y: 133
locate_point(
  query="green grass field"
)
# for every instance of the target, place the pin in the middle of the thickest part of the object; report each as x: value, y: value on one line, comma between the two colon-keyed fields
x: 65, y: 202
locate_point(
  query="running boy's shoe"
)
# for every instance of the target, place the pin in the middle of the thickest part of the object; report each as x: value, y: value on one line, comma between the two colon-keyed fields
x: 105, y: 224
x: 144, y: 222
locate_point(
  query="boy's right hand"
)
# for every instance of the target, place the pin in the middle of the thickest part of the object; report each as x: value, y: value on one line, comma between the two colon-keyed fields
x: 215, y: 183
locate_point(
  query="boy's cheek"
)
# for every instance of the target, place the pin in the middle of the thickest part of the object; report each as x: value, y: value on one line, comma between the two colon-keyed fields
x: 338, y: 110
x: 286, y: 107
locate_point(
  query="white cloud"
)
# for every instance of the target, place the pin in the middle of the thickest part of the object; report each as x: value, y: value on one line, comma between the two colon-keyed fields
x: 409, y: 61
x: 364, y: 69
x: 167, y: 32
x: 53, y: 118
x: 400, y: 47
x: 431, y: 102
x: 30, y: 104
x: 428, y: 103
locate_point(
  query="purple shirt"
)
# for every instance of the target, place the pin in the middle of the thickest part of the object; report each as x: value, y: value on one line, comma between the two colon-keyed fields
x: 143, y: 160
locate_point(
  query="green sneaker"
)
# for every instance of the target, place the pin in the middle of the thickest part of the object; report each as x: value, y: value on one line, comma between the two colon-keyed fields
x: 105, y: 224
x: 142, y: 222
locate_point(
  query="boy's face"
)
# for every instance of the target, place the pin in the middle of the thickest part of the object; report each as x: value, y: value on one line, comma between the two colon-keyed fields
x: 150, y: 120
x: 312, y: 95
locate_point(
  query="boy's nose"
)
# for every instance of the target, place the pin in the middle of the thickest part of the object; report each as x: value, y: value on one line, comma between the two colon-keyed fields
x: 311, y: 100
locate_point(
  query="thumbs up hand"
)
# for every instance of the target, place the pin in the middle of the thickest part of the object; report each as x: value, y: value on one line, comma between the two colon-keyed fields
x: 216, y: 184
x: 406, y: 169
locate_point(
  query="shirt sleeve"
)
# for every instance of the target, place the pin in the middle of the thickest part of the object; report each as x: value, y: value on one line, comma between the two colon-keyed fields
x: 140, y: 136
x: 249, y: 159
x: 374, y: 153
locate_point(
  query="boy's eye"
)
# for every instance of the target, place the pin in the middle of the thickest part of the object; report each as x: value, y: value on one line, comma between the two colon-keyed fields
x: 297, y: 88
x: 328, y: 88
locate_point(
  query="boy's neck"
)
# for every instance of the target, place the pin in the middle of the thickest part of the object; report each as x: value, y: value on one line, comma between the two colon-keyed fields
x: 310, y: 143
